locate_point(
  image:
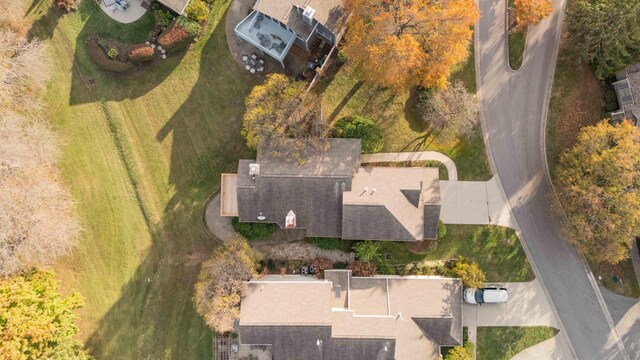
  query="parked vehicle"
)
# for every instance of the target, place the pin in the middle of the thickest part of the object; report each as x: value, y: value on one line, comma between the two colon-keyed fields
x: 486, y: 295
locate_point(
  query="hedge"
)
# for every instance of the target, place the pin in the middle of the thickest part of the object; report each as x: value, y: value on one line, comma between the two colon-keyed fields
x: 252, y: 231
x: 325, y: 243
x: 179, y: 34
x: 104, y: 62
x: 362, y: 128
x: 141, y: 53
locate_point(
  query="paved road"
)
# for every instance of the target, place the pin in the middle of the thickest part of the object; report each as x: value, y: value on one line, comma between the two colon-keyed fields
x: 514, y: 106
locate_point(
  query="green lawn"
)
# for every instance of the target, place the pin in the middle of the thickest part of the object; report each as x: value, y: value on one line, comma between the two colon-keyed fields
x: 141, y: 154
x: 627, y: 283
x: 517, y: 41
x: 345, y: 94
x: 496, y: 249
x: 503, y: 343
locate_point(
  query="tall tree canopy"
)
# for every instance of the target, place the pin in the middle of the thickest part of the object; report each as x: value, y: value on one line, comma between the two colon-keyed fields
x: 599, y: 187
x: 403, y: 43
x: 531, y: 12
x: 36, y: 322
x: 221, y: 284
x: 606, y: 33
x: 281, y: 109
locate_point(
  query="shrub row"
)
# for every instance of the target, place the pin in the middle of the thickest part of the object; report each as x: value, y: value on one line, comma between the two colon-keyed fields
x: 179, y: 34
x: 252, y: 231
x: 141, y: 53
x: 97, y: 54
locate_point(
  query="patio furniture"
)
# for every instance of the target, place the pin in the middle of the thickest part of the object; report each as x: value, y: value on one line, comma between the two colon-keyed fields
x: 261, y: 61
x: 245, y: 58
x: 252, y: 70
x: 247, y: 67
x: 146, y: 4
x: 261, y: 69
x: 254, y: 56
x: 253, y: 62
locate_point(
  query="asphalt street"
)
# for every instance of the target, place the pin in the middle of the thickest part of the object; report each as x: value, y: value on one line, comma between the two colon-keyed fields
x: 514, y: 108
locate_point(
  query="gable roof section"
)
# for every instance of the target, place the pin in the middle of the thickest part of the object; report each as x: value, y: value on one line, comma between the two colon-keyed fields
x: 440, y: 330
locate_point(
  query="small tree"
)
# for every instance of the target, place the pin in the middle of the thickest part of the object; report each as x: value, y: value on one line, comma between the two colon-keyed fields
x: 362, y: 269
x: 221, y: 284
x: 470, y: 273
x: 281, y: 109
x: 453, y: 111
x: 321, y: 264
x: 531, y: 12
x: 599, y: 188
x: 197, y: 10
x: 367, y: 251
x: 361, y: 128
x: 37, y: 322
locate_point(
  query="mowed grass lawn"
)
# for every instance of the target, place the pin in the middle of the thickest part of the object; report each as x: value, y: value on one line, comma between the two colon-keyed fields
x: 496, y: 249
x: 346, y: 94
x: 141, y: 154
x: 503, y: 343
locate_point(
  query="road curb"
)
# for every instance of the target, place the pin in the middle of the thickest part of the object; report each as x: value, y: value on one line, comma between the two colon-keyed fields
x: 485, y: 135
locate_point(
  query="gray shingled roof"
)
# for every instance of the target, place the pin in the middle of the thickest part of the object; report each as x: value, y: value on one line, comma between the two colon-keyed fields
x: 440, y: 330
x: 431, y: 217
x: 372, y: 222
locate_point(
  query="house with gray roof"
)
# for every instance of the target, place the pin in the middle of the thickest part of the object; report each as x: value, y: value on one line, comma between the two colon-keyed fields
x: 274, y: 26
x: 627, y: 89
x: 345, y: 317
x: 321, y: 187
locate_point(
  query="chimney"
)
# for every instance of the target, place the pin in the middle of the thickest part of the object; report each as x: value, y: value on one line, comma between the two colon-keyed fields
x: 308, y: 14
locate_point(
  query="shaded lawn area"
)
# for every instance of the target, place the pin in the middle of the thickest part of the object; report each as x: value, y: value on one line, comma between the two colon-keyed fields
x: 503, y: 343
x: 141, y: 154
x: 345, y: 94
x: 496, y: 249
x: 517, y: 41
x: 626, y: 283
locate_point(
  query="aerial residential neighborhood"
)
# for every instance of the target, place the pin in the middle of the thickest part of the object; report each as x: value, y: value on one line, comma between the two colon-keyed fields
x: 322, y: 180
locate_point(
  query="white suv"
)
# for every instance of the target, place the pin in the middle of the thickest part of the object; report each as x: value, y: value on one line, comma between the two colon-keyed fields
x: 486, y: 295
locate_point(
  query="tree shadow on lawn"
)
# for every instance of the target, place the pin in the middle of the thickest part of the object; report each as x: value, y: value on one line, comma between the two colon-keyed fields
x: 154, y: 317
x: 132, y: 85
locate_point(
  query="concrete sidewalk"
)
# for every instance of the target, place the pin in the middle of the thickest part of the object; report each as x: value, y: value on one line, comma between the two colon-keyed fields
x: 414, y: 156
x: 219, y: 226
x: 552, y: 349
x: 474, y: 202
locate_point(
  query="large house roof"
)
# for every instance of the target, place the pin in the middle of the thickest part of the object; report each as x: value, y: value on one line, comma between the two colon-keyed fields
x: 329, y: 13
x: 628, y: 93
x: 404, y: 315
x: 322, y: 183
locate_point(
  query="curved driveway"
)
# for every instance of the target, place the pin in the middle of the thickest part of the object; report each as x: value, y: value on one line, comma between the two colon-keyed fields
x: 514, y: 108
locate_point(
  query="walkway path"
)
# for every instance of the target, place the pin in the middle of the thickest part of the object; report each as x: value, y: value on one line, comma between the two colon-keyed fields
x: 218, y: 226
x: 414, y: 156
x: 551, y: 349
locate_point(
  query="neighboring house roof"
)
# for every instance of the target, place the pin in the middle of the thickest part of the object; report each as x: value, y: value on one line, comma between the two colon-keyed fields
x: 176, y: 5
x: 329, y: 13
x: 385, y: 317
x: 628, y: 93
x: 322, y: 183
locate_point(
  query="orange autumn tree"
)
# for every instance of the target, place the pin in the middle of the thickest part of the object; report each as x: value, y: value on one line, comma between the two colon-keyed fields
x: 531, y: 12
x: 404, y: 43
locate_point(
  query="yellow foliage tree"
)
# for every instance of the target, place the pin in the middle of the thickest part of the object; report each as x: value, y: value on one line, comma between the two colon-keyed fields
x: 599, y: 187
x: 531, y: 12
x: 404, y: 43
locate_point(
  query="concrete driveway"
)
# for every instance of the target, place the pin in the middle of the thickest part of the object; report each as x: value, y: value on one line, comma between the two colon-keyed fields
x: 474, y: 203
x: 527, y: 306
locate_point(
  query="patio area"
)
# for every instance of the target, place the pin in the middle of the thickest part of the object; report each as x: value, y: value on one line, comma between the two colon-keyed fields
x: 295, y: 61
x: 124, y: 11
